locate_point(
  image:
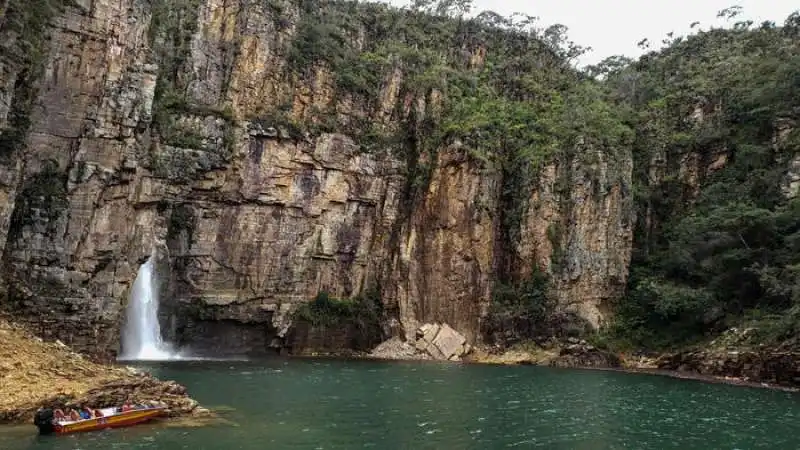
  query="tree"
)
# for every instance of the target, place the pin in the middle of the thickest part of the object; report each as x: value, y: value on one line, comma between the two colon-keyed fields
x: 721, y: 246
x: 446, y: 8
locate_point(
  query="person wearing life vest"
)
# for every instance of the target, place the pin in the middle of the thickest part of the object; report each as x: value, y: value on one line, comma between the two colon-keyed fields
x: 86, y: 413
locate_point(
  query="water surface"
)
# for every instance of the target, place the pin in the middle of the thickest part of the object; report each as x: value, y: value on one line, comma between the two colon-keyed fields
x: 331, y: 404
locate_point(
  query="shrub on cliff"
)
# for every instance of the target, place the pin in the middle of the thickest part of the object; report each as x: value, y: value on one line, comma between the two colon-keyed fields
x: 364, y: 313
x: 521, y: 310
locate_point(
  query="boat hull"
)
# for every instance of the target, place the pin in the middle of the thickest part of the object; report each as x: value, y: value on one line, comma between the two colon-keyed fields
x: 119, y: 420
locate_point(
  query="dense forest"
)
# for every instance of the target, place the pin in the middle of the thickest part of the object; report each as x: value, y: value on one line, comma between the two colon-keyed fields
x: 718, y: 223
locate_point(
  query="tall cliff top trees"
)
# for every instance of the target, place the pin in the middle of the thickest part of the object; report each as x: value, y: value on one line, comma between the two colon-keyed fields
x: 716, y: 117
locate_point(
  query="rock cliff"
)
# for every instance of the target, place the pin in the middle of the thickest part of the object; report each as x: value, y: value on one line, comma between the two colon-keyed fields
x: 187, y: 127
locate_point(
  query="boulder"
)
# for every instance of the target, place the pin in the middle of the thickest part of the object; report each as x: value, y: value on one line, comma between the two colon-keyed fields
x: 433, y: 341
x: 450, y: 343
x: 396, y: 348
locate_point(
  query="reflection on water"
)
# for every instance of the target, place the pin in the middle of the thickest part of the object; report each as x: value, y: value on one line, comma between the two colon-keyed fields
x: 329, y: 404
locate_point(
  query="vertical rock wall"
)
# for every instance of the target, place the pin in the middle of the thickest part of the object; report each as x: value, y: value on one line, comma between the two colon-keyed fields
x: 254, y: 220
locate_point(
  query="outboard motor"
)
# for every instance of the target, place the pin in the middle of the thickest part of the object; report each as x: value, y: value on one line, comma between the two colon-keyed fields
x: 44, y: 421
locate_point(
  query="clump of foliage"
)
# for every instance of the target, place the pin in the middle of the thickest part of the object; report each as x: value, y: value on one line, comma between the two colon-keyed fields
x: 41, y: 200
x: 521, y: 310
x: 719, y: 248
x: 364, y: 313
x: 182, y: 223
x: 25, y: 23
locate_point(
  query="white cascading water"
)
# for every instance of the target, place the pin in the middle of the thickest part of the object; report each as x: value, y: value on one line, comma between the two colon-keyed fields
x: 141, y: 337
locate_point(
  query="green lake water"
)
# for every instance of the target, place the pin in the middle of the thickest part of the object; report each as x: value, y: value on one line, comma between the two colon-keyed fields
x: 334, y: 404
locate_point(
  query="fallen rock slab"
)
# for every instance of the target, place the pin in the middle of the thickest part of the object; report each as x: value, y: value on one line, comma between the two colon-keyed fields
x: 451, y: 343
x: 396, y: 348
x: 433, y: 342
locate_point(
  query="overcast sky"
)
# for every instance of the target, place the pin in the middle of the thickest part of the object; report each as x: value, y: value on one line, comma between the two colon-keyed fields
x: 613, y: 27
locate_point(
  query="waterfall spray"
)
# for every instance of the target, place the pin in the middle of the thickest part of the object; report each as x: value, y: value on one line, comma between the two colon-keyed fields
x: 141, y: 337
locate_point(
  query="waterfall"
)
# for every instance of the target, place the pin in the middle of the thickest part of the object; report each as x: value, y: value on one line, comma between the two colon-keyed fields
x: 141, y: 337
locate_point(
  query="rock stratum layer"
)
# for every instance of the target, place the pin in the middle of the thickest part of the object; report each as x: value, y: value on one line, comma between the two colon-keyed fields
x: 135, y: 125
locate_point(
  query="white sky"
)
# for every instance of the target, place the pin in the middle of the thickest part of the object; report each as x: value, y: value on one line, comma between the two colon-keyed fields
x: 613, y: 27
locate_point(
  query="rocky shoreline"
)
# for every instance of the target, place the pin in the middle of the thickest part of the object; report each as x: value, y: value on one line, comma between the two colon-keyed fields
x: 722, y: 371
x: 694, y: 376
x: 765, y: 368
x: 726, y: 360
x: 735, y: 356
x: 35, y: 374
x: 434, y: 341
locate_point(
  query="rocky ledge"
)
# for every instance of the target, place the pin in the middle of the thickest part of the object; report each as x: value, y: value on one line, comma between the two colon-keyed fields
x: 781, y: 368
x: 34, y: 373
x: 571, y: 352
x: 738, y: 354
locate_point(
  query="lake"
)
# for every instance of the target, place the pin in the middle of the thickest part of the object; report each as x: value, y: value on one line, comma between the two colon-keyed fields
x: 338, y: 404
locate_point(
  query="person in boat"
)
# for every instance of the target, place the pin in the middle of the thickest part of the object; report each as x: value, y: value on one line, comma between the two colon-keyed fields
x: 73, y: 414
x: 86, y: 413
x: 58, y: 415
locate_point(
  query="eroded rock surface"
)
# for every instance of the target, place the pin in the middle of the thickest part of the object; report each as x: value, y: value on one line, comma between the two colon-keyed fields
x: 581, y: 354
x: 780, y: 368
x: 568, y: 353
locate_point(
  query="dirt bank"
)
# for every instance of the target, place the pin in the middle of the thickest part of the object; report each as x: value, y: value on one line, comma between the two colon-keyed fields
x: 34, y: 373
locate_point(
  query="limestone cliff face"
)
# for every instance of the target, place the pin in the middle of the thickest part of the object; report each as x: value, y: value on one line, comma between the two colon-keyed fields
x: 287, y: 221
x: 251, y: 218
